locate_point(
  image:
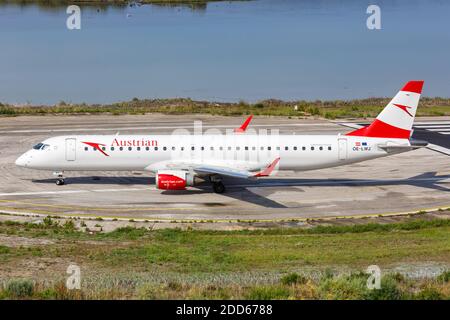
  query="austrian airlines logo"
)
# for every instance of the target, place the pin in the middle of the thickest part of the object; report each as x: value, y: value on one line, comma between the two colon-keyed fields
x: 404, y: 108
x: 97, y: 146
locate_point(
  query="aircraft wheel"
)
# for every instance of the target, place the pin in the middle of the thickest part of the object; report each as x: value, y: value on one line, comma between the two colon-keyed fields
x: 60, y: 182
x: 218, y: 187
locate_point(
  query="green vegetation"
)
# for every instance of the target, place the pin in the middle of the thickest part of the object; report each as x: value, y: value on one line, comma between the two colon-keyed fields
x: 19, y: 288
x: 326, y: 109
x: 324, y: 262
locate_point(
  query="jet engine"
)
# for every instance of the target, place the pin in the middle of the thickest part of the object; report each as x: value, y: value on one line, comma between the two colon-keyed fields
x: 174, y: 179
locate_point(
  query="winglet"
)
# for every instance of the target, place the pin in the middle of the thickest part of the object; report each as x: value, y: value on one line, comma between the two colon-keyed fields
x: 268, y: 171
x: 244, y: 126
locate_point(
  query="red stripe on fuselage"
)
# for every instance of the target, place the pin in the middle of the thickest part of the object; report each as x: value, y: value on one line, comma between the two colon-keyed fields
x: 380, y: 129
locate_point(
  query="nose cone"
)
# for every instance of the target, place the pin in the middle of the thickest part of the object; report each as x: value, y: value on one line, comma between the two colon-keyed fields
x: 21, y: 161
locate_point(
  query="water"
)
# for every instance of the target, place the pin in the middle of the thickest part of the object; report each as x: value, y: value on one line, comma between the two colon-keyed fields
x: 250, y: 50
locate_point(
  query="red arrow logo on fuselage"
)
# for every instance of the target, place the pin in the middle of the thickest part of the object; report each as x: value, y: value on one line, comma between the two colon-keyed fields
x: 404, y: 108
x: 97, y: 146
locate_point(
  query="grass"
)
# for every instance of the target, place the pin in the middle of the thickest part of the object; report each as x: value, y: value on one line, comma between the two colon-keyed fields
x: 253, y: 264
x: 364, y: 108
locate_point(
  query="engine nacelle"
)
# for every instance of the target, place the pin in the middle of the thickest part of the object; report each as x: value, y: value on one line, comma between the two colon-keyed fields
x: 174, y: 179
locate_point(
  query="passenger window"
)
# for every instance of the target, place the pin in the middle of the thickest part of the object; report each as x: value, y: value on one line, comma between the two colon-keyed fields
x: 312, y: 148
x: 173, y: 148
x: 164, y: 148
x: 286, y: 148
x: 253, y: 148
x: 147, y: 148
x: 303, y: 148
x: 269, y: 148
x: 103, y: 148
x: 320, y: 148
x: 212, y: 148
x: 278, y: 148
x: 238, y: 148
x: 295, y: 148
x: 329, y: 148
x: 156, y: 148
x: 121, y: 148
x: 246, y: 148
x: 112, y: 148
x: 262, y: 148
x: 130, y: 148
x: 229, y: 148
x: 138, y: 148
x: 192, y: 148
x: 202, y: 148
x: 86, y: 148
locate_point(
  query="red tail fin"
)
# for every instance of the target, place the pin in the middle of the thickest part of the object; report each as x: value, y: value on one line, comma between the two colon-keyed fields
x: 397, y: 118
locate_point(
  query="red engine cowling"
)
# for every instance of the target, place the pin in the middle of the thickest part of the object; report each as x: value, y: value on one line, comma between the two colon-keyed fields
x: 174, y: 180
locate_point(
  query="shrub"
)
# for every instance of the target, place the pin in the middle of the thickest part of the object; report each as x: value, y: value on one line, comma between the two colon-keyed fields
x: 20, y: 288
x: 293, y: 278
x: 48, y: 221
x: 4, y: 250
x: 388, y: 290
x: 444, y: 277
x: 69, y: 225
x: 347, y: 288
x: 267, y: 293
x: 429, y: 293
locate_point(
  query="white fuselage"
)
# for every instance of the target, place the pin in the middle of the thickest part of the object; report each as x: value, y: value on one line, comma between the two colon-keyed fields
x: 239, y: 151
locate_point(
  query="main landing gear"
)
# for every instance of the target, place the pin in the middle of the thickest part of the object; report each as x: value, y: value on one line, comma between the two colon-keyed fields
x: 60, y: 178
x: 218, y: 186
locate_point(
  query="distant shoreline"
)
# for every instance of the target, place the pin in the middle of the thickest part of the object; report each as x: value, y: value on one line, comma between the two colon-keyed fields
x: 106, y: 2
x: 331, y: 109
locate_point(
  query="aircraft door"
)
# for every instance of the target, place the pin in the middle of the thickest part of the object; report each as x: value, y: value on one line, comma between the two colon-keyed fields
x: 342, y: 148
x: 71, y: 147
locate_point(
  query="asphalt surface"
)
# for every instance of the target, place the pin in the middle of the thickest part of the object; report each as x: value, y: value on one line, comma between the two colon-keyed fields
x: 416, y: 180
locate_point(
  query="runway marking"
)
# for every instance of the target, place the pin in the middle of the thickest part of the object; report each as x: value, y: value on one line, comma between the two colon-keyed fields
x: 440, y: 130
x: 432, y: 126
x: 75, y: 208
x: 72, y: 191
x: 201, y: 220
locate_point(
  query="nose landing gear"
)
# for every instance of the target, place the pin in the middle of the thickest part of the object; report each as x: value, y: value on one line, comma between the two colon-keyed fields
x: 60, y: 178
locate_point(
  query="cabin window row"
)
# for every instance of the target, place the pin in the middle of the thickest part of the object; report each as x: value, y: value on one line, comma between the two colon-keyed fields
x: 312, y: 148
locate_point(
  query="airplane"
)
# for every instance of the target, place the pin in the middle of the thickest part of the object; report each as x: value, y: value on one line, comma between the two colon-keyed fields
x: 183, y: 160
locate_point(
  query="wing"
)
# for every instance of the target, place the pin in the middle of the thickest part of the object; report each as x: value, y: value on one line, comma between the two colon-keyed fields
x: 205, y: 169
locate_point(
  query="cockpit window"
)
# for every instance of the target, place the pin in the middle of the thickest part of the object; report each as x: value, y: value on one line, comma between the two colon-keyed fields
x: 38, y: 146
x: 41, y: 146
